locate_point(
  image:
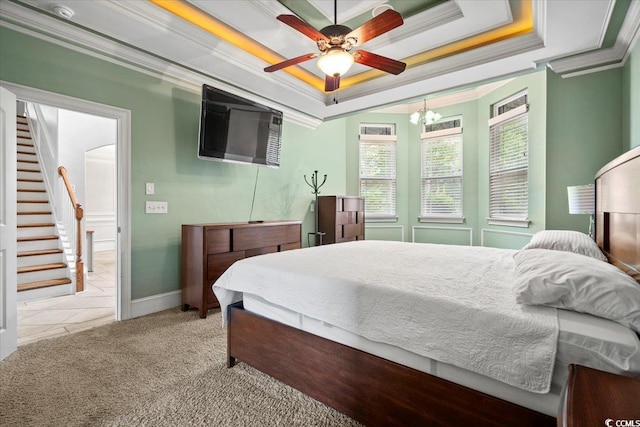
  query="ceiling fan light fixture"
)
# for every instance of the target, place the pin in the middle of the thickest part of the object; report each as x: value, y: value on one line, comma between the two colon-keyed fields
x: 335, y: 62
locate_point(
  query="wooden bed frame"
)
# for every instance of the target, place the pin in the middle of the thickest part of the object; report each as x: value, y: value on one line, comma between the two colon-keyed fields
x: 378, y: 392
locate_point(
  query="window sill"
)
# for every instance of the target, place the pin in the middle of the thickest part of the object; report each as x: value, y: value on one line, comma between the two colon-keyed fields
x: 442, y: 219
x: 381, y: 219
x: 522, y: 223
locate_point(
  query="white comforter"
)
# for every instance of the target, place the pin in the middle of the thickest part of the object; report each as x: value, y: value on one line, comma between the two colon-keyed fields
x: 451, y: 303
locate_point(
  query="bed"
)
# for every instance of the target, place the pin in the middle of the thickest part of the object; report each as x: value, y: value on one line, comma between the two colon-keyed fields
x: 367, y: 374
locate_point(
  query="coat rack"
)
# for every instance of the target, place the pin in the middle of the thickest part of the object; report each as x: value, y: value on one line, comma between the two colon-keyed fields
x: 316, y: 190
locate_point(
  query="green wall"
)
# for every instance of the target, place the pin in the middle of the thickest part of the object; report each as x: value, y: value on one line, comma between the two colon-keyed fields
x: 584, y: 132
x: 164, y: 131
x: 631, y: 100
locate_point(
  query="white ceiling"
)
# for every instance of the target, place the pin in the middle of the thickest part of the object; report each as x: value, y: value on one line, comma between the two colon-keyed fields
x: 178, y: 50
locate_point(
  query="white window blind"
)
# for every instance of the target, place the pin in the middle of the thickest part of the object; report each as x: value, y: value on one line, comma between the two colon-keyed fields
x: 378, y: 170
x: 509, y: 163
x: 441, y: 186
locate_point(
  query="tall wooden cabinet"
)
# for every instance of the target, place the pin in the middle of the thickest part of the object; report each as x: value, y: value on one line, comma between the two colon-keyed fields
x: 209, y: 249
x: 341, y: 218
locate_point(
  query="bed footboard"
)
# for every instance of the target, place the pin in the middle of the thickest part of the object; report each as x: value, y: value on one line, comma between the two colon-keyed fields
x: 365, y: 387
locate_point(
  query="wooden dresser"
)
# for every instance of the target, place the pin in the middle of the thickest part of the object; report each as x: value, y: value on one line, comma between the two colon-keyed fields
x: 341, y: 218
x: 209, y: 249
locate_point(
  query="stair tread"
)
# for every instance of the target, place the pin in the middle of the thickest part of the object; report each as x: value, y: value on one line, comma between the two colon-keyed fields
x: 28, y: 170
x: 43, y: 284
x: 41, y: 267
x: 36, y: 238
x: 37, y: 224
x: 34, y: 213
x: 27, y: 153
x: 40, y: 252
x: 28, y: 161
x: 32, y: 201
x: 29, y: 180
x: 30, y: 190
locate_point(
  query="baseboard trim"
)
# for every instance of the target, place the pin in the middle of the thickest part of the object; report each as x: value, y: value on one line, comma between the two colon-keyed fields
x: 155, y: 303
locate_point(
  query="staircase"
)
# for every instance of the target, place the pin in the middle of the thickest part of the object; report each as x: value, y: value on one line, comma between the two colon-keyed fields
x: 42, y: 268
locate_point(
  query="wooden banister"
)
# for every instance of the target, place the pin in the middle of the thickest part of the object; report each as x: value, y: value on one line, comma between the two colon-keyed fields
x: 79, y: 213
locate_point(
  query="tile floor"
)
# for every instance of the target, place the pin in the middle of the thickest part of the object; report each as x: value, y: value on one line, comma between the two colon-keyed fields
x: 53, y: 317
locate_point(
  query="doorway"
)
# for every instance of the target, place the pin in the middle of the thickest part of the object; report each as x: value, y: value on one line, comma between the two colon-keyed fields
x: 85, y: 145
x: 119, y: 250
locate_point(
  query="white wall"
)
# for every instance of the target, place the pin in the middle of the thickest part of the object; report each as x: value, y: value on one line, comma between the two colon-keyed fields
x: 86, y: 148
x: 78, y: 133
x: 100, y: 195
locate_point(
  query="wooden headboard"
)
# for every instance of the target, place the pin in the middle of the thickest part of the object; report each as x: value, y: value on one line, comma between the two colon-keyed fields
x: 618, y: 211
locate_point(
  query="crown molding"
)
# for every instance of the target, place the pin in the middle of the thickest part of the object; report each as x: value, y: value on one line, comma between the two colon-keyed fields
x: 611, y: 57
x: 52, y: 30
x: 465, y: 60
x: 417, y: 24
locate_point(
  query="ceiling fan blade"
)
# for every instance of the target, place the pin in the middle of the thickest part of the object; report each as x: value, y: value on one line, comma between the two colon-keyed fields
x: 289, y: 62
x: 301, y: 26
x: 331, y: 83
x: 386, y: 21
x: 379, y: 62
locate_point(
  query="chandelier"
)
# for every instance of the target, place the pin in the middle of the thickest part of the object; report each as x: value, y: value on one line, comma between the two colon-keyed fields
x: 424, y: 115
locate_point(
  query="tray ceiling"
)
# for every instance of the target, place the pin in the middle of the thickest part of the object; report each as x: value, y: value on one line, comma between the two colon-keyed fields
x: 446, y: 44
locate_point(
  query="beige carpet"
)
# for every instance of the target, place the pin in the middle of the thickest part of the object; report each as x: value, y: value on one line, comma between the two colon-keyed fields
x: 165, y: 369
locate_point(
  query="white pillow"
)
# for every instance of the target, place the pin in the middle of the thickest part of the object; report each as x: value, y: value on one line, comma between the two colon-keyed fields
x: 566, y: 240
x: 579, y: 283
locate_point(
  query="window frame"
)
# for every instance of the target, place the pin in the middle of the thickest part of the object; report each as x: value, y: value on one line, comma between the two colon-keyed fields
x: 392, y: 139
x: 502, y: 119
x: 434, y: 136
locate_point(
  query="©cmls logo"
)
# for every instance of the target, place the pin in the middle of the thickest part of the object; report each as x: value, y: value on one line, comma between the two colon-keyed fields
x: 622, y: 423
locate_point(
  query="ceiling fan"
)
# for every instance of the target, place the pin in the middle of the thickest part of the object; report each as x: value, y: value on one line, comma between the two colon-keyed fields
x: 335, y: 42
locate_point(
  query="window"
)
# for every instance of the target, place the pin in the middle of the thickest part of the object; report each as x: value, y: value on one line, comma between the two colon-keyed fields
x: 441, y: 187
x: 509, y: 163
x: 378, y: 170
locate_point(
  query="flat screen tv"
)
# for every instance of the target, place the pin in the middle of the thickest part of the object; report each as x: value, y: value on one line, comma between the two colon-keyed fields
x: 234, y: 129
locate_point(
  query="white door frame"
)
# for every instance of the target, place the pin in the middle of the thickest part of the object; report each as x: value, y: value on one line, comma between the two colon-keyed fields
x: 123, y: 157
x: 8, y: 230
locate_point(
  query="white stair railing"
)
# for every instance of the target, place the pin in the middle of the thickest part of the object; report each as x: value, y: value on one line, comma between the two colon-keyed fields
x: 71, y: 217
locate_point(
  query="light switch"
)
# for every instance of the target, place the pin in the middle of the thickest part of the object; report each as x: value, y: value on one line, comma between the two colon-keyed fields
x: 149, y: 188
x: 156, y: 207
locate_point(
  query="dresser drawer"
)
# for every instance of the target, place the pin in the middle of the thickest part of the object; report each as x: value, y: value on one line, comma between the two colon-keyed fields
x: 290, y: 246
x: 351, y: 231
x: 218, y: 263
x: 260, y: 251
x: 218, y: 241
x: 352, y: 204
x: 260, y: 237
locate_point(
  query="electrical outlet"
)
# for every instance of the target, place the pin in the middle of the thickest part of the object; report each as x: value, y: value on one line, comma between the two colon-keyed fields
x: 149, y: 188
x: 156, y: 207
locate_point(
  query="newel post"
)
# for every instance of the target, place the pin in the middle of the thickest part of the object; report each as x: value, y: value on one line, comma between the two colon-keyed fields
x: 79, y: 263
